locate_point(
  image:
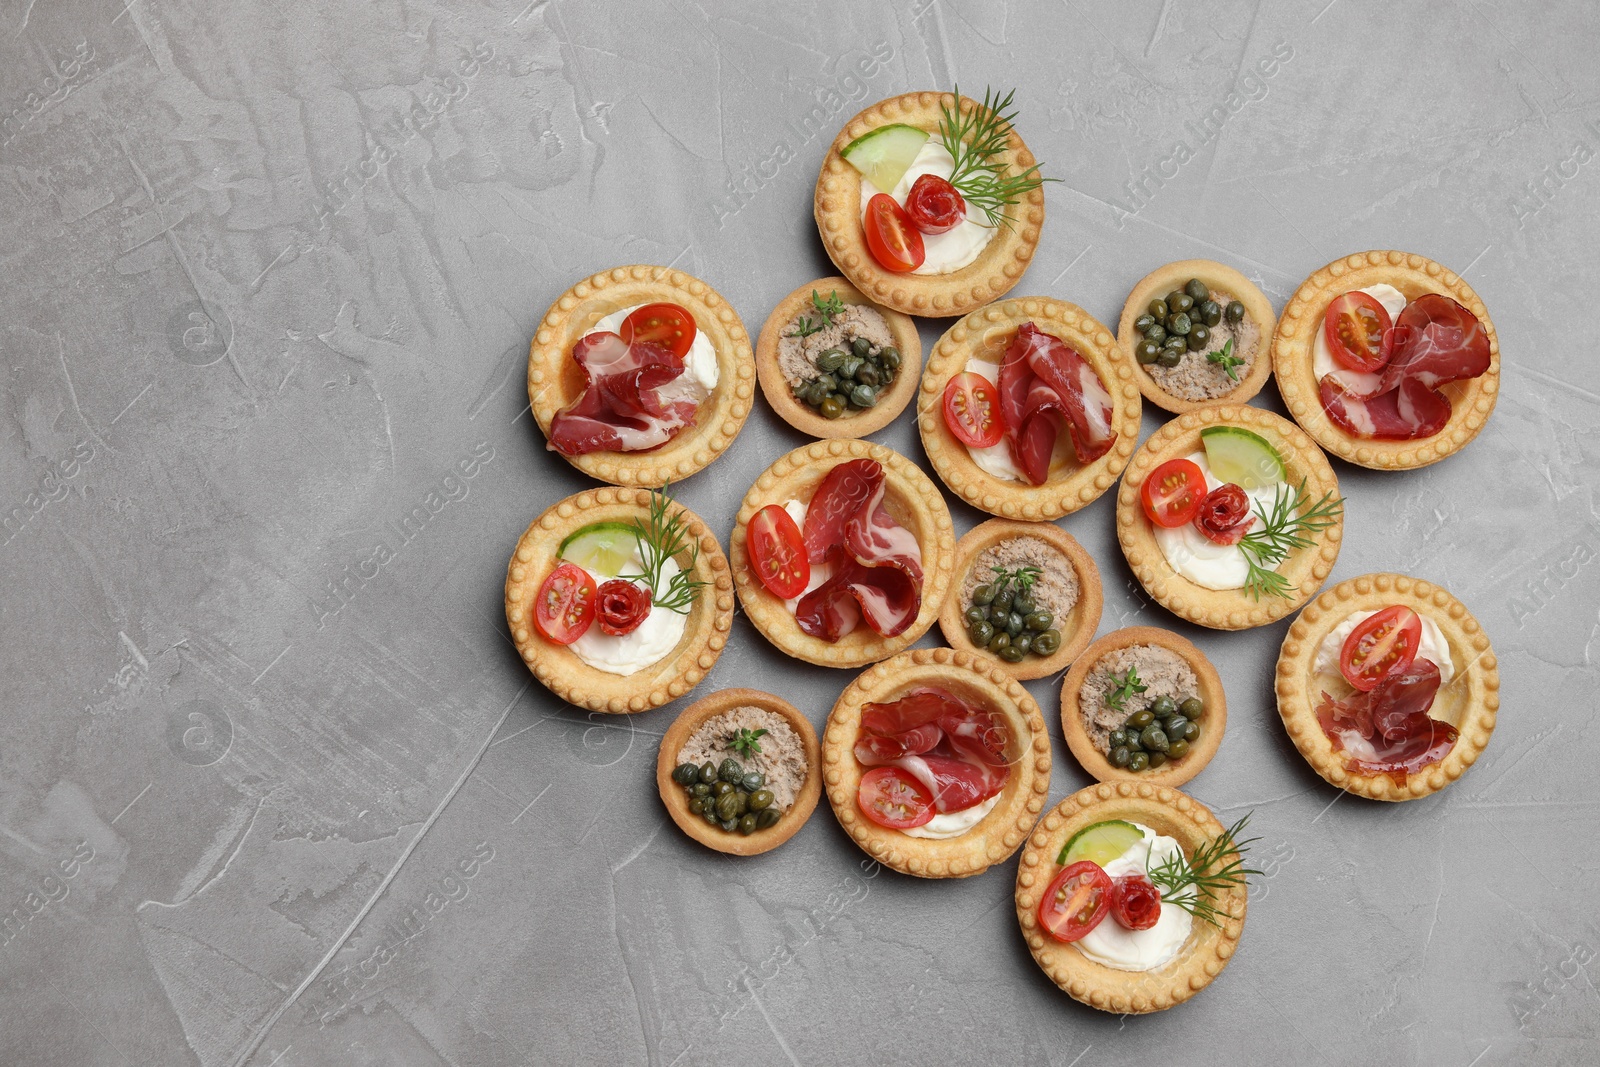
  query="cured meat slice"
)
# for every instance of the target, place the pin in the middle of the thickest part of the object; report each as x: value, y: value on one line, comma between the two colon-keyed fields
x: 1409, y: 411
x: 636, y: 397
x: 1388, y: 731
x: 886, y: 595
x: 874, y: 563
x: 1044, y: 385
x: 954, y: 749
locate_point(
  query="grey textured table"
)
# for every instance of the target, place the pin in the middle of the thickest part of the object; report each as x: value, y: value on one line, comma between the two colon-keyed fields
x: 268, y: 273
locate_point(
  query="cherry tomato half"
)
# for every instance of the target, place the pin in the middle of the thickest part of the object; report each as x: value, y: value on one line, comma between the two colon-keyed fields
x: 1076, y: 901
x: 667, y: 325
x: 893, y: 241
x: 891, y: 797
x: 1380, y: 645
x: 565, y: 604
x: 934, y: 205
x: 1173, y: 492
x: 972, y: 410
x: 778, y: 552
x: 1359, y: 332
x: 1136, y: 903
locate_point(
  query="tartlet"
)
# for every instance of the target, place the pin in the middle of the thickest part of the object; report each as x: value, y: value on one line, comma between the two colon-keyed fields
x: 1470, y: 702
x: 1217, y: 276
x: 558, y: 667
x: 911, y: 498
x: 555, y: 379
x: 1471, y: 401
x: 987, y: 331
x: 673, y: 796
x: 967, y: 675
x: 854, y: 423
x: 1226, y: 609
x: 1203, y: 956
x: 1211, y: 692
x: 1076, y: 629
x: 838, y: 211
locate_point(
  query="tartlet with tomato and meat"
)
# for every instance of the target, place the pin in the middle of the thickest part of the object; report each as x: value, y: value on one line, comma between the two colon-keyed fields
x: 930, y: 203
x: 619, y: 600
x: 1230, y: 517
x: 1387, y: 360
x: 936, y: 763
x: 640, y: 375
x: 1388, y: 686
x: 842, y: 553
x: 1028, y: 408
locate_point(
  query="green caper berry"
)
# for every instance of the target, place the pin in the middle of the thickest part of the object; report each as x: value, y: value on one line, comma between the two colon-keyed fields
x: 864, y: 396
x: 700, y: 789
x: 1178, y: 749
x: 1012, y: 654
x: 1003, y: 601
x: 730, y: 825
x: 1157, y: 309
x: 1039, y: 620
x: 831, y: 407
x: 1179, y: 301
x: 1210, y: 312
x: 1161, y: 707
x: 1140, y: 719
x: 984, y: 594
x: 1047, y: 643
x: 831, y: 360
x: 1023, y: 604
x: 826, y: 382
x: 1014, y: 625
x: 708, y: 772
x: 1120, y: 756
x: 1153, y: 738
x: 1146, y: 352
x: 1180, y: 324
x: 1144, y: 322
x: 980, y: 632
x: 696, y: 805
x: 1174, y: 725
x: 999, y: 641
x: 1023, y: 641
x: 753, y: 781
x: 1192, y: 708
x: 685, y: 774
x: 730, y: 770
x: 861, y: 347
x: 1156, y: 333
x: 721, y: 789
x: 1169, y: 358
x: 709, y: 812
x: 1191, y: 733
x: 1157, y: 759
x: 727, y: 807
x: 767, y: 818
x: 890, y: 356
x: 1199, y: 337
x: 1118, y: 738
x: 976, y: 614
x: 1197, y: 290
x: 869, y: 375
x: 747, y: 824
x: 1138, y: 761
x: 761, y: 798
x: 1235, y: 312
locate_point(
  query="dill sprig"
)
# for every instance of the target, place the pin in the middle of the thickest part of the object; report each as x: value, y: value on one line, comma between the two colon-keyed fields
x: 662, y: 537
x: 1226, y: 360
x: 1126, y: 687
x: 1194, y: 884
x: 805, y: 325
x: 975, y: 140
x: 1289, y: 524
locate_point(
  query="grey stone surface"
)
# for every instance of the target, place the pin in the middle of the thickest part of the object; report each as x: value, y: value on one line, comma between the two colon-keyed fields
x: 268, y: 272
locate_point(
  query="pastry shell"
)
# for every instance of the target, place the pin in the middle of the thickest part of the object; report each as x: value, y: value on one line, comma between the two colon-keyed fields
x: 987, y: 331
x: 911, y: 498
x: 1162, y: 281
x: 558, y: 667
x: 677, y: 802
x: 1470, y: 702
x: 838, y: 210
x: 555, y: 379
x: 1203, y: 956
x: 1226, y: 609
x: 1076, y: 629
x: 972, y: 677
x: 853, y: 423
x: 1212, y: 726
x: 1471, y: 401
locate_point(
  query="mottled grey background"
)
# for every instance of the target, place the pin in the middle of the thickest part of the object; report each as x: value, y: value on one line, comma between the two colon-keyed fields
x: 268, y: 272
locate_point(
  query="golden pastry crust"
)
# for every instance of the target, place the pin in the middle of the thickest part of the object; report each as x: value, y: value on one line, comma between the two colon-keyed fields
x: 911, y: 498
x: 853, y: 423
x: 1212, y: 726
x: 1471, y: 702
x: 986, y: 332
x: 677, y: 801
x: 972, y: 677
x: 1471, y: 401
x: 1204, y: 955
x: 558, y: 667
x: 1076, y: 629
x: 838, y: 210
x: 1162, y: 281
x: 555, y: 379
x: 1226, y: 609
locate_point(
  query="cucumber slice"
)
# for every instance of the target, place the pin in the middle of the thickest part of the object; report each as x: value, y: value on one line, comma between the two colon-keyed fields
x: 1101, y: 843
x: 1242, y: 457
x: 885, y: 154
x: 603, y: 548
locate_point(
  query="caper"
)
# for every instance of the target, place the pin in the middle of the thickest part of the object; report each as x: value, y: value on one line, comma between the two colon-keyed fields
x: 861, y: 347
x: 1235, y: 312
x: 1023, y: 604
x: 1047, y: 643
x: 1176, y: 342
x: 709, y: 812
x: 1014, y: 624
x: 1140, y: 719
x: 1210, y: 312
x: 1156, y: 333
x: 1138, y: 761
x: 761, y: 798
x: 1023, y: 641
x: 696, y: 805
x: 1178, y: 749
x: 741, y: 801
x: 730, y: 825
x: 730, y: 770
x: 812, y: 392
x: 1180, y: 324
x: 852, y: 367
x: 1192, y: 708
x: 699, y: 789
x: 1157, y: 759
x: 1153, y: 738
x: 980, y: 632
x: 721, y: 789
x: 1169, y: 358
x: 1146, y: 352
x: 831, y: 360
x: 1161, y: 707
x: 999, y: 641
x: 984, y: 594
x: 1192, y: 731
x: 869, y: 375
x: 728, y: 807
x: 753, y: 781
x: 1039, y: 620
x: 1003, y: 601
x: 977, y: 614
x: 685, y: 774
x: 1144, y: 322
x: 1012, y: 654
x: 827, y: 382
x: 889, y: 356
x: 864, y: 396
x: 1199, y: 337
x: 708, y: 772
x: 767, y: 818
x: 1174, y: 725
x: 1197, y: 289
x: 1157, y: 309
x: 747, y: 824
x: 832, y: 407
x: 1120, y: 756
x: 1182, y: 302
x: 1118, y: 738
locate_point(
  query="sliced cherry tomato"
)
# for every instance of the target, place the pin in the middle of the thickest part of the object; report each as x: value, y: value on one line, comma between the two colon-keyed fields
x: 667, y: 325
x: 565, y: 605
x: 1380, y: 645
x: 1224, y: 515
x: 1173, y: 492
x: 1136, y: 903
x: 1076, y: 901
x: 972, y: 410
x: 778, y: 552
x: 1359, y: 332
x: 891, y: 797
x: 620, y: 606
x: 934, y: 205
x: 893, y: 241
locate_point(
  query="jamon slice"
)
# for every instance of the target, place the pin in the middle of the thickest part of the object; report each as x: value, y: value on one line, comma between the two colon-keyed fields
x: 1409, y: 411
x: 635, y: 398
x: 1388, y: 731
x: 954, y: 749
x: 875, y: 564
x: 1044, y: 385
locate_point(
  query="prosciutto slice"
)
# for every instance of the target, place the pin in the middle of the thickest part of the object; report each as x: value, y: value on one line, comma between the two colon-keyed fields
x: 1044, y: 385
x: 874, y: 564
x: 636, y: 397
x: 956, y: 750
x: 1388, y: 731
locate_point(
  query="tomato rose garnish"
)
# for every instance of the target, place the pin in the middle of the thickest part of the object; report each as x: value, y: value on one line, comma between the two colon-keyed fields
x: 1380, y: 645
x: 564, y: 607
x: 1136, y: 903
x: 1224, y: 515
x: 1359, y: 332
x: 621, y: 606
x: 891, y: 238
x: 1172, y: 493
x: 934, y: 205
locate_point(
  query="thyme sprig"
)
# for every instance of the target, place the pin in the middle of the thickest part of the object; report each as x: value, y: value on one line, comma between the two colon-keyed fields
x: 1126, y: 687
x: 1288, y: 524
x: 1226, y: 360
x: 1194, y: 884
x: 662, y: 537
x: 1022, y: 577
x: 827, y: 309
x: 747, y: 742
x: 975, y: 140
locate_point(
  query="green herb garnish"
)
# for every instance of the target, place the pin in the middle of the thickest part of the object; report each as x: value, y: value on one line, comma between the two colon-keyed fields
x: 663, y: 537
x: 1193, y: 884
x: 1023, y: 578
x: 827, y: 309
x: 747, y: 742
x: 1288, y: 525
x: 1126, y: 686
x: 1226, y: 360
x: 976, y: 140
